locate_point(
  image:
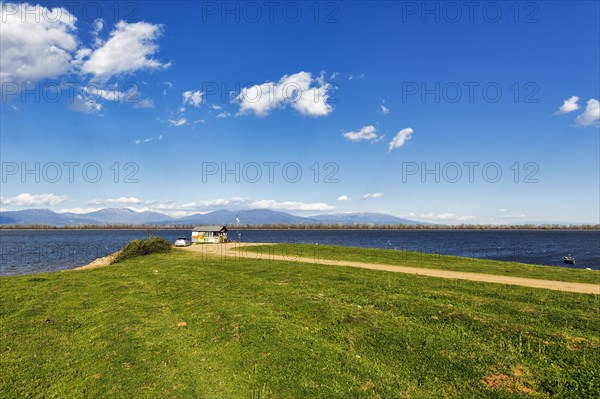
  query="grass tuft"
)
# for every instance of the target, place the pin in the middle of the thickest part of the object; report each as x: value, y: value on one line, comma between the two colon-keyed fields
x: 143, y: 247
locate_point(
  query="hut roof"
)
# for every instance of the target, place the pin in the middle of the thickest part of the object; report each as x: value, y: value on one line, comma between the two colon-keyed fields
x: 210, y: 227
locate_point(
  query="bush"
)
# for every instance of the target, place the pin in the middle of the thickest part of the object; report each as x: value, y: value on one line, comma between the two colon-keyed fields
x: 146, y: 246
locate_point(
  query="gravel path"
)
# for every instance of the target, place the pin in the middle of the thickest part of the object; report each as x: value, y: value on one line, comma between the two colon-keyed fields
x: 230, y: 250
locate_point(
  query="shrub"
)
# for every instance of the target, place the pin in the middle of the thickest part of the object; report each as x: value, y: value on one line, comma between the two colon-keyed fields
x: 146, y: 246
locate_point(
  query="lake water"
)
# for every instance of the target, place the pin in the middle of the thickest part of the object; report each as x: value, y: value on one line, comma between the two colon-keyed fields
x: 34, y: 251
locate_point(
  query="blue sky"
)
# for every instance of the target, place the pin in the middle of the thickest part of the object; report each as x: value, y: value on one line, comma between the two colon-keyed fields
x: 435, y: 112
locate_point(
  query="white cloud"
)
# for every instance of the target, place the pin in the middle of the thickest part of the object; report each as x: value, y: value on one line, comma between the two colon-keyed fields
x: 177, y: 122
x: 384, y: 110
x: 591, y: 115
x: 241, y: 202
x: 502, y: 210
x: 306, y: 95
x: 216, y: 202
x: 372, y: 195
x: 144, y: 103
x: 519, y: 216
x: 32, y: 50
x: 85, y: 105
x: 291, y: 205
x: 78, y: 210
x: 193, y: 98
x: 400, y: 139
x: 343, y: 198
x: 365, y: 133
x: 352, y: 77
x: 110, y: 94
x: 334, y: 75
x: 116, y: 201
x: 223, y: 115
x: 97, y: 27
x: 27, y: 199
x: 569, y: 105
x: 201, y: 206
x: 216, y: 107
x: 148, y: 140
x: 447, y: 217
x: 131, y: 47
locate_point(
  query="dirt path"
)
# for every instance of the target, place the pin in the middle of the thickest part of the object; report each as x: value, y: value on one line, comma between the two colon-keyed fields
x: 229, y: 249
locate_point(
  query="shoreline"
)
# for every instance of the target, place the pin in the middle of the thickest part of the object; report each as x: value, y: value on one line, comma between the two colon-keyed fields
x: 231, y: 246
x: 96, y: 263
x: 445, y: 229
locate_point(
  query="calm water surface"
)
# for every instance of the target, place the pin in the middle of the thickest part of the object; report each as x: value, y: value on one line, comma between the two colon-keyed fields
x: 34, y: 251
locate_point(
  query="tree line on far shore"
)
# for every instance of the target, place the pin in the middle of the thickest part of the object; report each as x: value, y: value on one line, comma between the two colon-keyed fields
x: 313, y: 226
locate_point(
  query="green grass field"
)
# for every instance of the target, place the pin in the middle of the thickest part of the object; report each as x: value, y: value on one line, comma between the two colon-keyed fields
x: 418, y: 259
x: 180, y: 325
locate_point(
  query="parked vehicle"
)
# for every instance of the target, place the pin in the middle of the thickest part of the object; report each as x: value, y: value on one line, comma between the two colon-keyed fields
x: 182, y: 242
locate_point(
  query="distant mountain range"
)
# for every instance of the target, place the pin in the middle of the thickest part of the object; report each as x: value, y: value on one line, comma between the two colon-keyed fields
x: 128, y: 216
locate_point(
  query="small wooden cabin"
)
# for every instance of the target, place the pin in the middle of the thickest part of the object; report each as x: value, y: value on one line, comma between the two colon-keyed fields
x: 209, y: 234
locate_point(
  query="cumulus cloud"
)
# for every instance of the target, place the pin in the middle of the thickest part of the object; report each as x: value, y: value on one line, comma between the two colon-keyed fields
x: 591, y: 115
x: 223, y: 115
x: 569, y: 105
x: 372, y: 195
x: 131, y: 47
x: 27, y: 199
x: 367, y: 133
x: 38, y: 43
x: 300, y: 91
x: 343, y: 198
x: 400, y: 139
x: 32, y: 50
x: 193, y: 98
